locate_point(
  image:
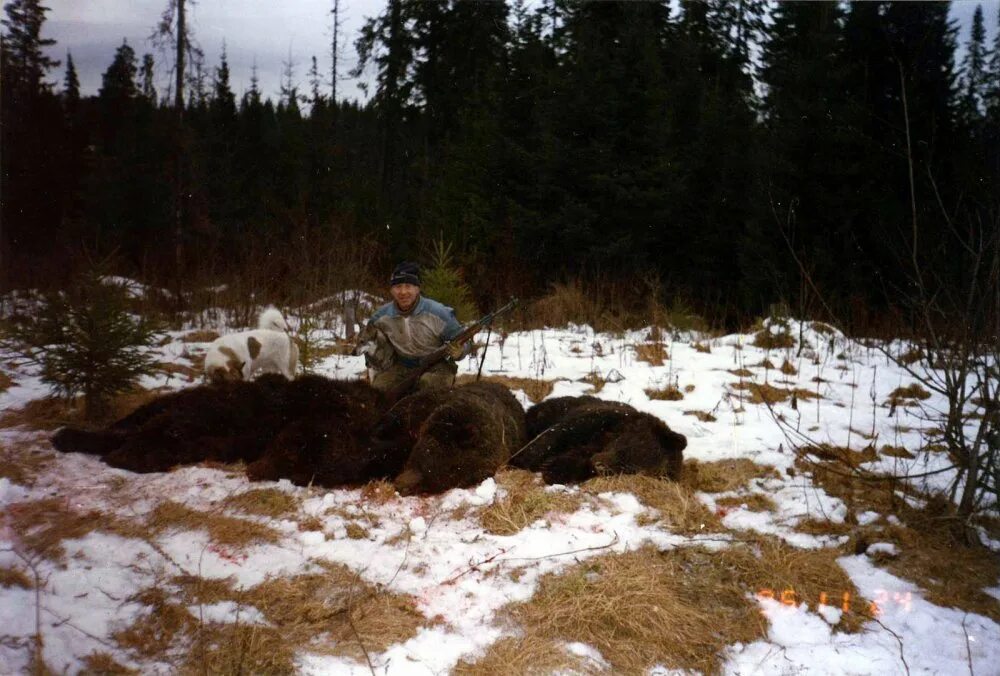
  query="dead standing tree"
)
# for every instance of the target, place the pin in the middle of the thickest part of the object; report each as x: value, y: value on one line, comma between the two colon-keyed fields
x: 173, y: 31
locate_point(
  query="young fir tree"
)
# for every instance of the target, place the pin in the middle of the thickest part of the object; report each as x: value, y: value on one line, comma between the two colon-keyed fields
x: 443, y: 282
x: 973, y: 81
x: 87, y: 342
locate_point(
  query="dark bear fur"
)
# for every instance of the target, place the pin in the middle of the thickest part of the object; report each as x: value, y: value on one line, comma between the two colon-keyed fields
x: 470, y: 433
x: 225, y: 422
x: 544, y: 415
x: 593, y: 437
x: 328, y: 441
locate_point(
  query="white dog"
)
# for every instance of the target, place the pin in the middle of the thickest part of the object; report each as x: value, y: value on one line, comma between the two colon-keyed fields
x: 267, y: 349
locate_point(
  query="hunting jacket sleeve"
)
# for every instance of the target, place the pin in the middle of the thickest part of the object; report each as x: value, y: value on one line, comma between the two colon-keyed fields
x: 426, y: 327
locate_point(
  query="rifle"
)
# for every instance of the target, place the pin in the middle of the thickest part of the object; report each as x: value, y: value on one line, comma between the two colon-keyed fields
x: 438, y: 355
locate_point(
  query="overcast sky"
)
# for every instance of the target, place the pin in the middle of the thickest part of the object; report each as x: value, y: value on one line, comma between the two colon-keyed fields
x: 265, y: 31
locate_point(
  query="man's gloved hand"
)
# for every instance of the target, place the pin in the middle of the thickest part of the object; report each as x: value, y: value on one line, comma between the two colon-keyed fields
x: 456, y: 351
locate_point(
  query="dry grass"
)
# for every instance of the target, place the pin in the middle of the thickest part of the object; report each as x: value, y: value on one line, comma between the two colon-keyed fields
x: 338, y: 605
x: 646, y: 607
x: 6, y: 382
x: 196, y: 590
x: 596, y: 381
x: 153, y: 633
x: 48, y: 413
x: 679, y: 508
x: 903, y: 396
x: 526, y: 655
x: 43, y: 525
x: 222, y: 530
x: 764, y: 393
x: 788, y: 368
x: 936, y: 550
x: 355, y: 531
x: 176, y: 369
x: 535, y: 389
x: 847, y: 457
x: 773, y: 341
x: 818, y: 526
x: 103, y: 663
x: 669, y: 393
x: 912, y: 355
x: 202, y: 336
x: 563, y: 304
x: 22, y: 461
x: 742, y: 373
x: 525, y: 502
x: 896, y: 452
x: 755, y: 502
x: 378, y: 492
x: 722, y: 476
x: 239, y: 649
x: 653, y: 353
x: 703, y: 416
x: 704, y: 348
x: 263, y: 502
x: 12, y: 577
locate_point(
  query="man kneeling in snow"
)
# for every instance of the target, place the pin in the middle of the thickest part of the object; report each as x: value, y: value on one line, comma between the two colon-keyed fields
x: 412, y: 326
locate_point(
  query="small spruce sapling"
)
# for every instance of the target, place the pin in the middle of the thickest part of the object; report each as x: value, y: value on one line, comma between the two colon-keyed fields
x: 86, y: 342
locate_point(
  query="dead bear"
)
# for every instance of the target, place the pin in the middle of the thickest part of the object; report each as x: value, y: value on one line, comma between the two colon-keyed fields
x: 470, y: 433
x: 590, y: 437
x: 328, y: 440
x: 226, y: 422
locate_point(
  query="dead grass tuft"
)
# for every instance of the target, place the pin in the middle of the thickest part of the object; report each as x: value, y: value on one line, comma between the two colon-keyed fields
x: 679, y: 508
x: 596, y: 381
x: 654, y: 353
x: 788, y: 368
x: 742, y: 373
x: 755, y: 502
x: 355, y: 531
x: 222, y: 530
x: 263, y: 502
x: 43, y: 525
x: 722, y: 476
x: 196, y: 590
x: 525, y: 502
x: 847, y: 457
x: 646, y: 607
x: 6, y: 382
x: 104, y: 663
x: 535, y: 389
x: 703, y: 416
x: 526, y: 655
x: 336, y: 603
x: 154, y: 632
x: 46, y: 413
x: 12, y: 577
x: 773, y: 341
x: 896, y: 452
x: 911, y: 356
x: 202, y: 336
x: 22, y: 461
x: 704, y: 348
x: 563, y: 304
x: 378, y: 492
x: 177, y: 369
x: 765, y: 393
x: 818, y: 526
x: 239, y: 649
x: 669, y: 393
x: 903, y: 396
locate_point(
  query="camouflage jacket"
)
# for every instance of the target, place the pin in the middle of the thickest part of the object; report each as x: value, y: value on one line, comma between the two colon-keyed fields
x: 417, y: 333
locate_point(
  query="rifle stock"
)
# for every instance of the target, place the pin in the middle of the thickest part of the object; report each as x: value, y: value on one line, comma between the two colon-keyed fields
x: 438, y: 355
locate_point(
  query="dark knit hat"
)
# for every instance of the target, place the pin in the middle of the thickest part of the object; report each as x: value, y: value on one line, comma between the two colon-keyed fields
x: 406, y: 272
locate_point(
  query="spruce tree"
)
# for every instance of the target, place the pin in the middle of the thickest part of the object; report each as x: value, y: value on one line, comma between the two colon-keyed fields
x: 973, y: 81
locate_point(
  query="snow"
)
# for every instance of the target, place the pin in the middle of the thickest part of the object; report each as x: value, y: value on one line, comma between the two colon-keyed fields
x: 434, y: 549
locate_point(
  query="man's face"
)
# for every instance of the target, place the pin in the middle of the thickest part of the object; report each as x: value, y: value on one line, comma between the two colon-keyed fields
x: 405, y: 295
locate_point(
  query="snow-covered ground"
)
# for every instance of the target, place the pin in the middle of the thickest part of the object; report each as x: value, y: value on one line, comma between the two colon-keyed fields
x: 460, y: 577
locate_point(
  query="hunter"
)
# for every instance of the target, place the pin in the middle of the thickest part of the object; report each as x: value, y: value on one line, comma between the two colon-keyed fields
x: 410, y: 327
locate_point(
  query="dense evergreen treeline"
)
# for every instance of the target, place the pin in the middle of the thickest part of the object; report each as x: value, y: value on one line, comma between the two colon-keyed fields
x: 692, y: 153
